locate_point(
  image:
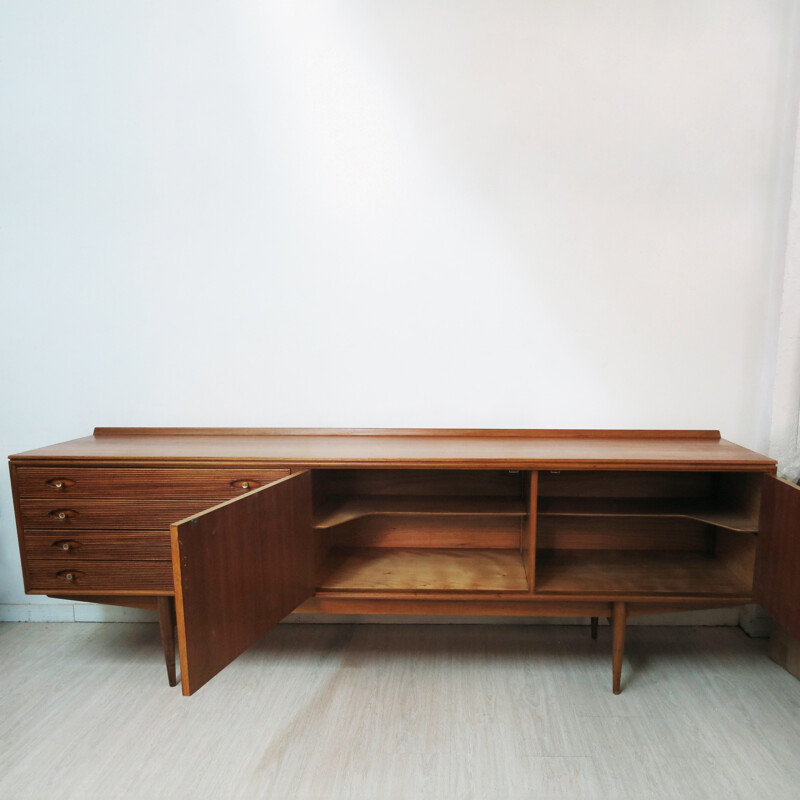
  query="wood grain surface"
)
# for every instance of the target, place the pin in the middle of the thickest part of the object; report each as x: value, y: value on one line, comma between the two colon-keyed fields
x: 350, y: 508
x: 665, y: 450
x: 80, y: 514
x: 67, y: 481
x: 54, y: 575
x: 623, y: 572
x: 481, y: 531
x: 623, y: 533
x: 625, y: 484
x: 333, y: 483
x: 239, y: 569
x: 437, y: 433
x: 360, y: 569
x: 99, y: 546
x: 709, y: 511
x: 451, y: 604
x: 777, y: 573
x: 529, y: 529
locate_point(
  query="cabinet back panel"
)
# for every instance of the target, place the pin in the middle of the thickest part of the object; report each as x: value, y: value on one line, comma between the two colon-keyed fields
x: 737, y: 551
x: 626, y: 484
x: 623, y: 533
x: 449, y: 483
x: 740, y: 492
x: 461, y: 531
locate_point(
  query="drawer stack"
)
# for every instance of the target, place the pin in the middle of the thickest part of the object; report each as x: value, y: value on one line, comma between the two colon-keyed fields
x: 106, y: 529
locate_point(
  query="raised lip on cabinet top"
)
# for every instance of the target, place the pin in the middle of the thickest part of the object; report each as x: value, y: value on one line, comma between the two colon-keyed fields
x: 375, y: 448
x: 489, y: 433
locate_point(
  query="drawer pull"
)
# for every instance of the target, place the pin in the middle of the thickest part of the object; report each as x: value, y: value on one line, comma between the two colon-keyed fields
x: 63, y: 514
x: 71, y: 575
x: 66, y: 545
x: 246, y: 485
x: 60, y: 483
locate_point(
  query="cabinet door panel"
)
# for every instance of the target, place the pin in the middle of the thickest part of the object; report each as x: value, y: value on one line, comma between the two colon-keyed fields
x: 240, y: 568
x: 777, y: 576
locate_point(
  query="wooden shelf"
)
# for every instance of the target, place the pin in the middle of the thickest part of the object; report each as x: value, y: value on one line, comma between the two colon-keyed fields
x: 350, y: 508
x: 654, y: 573
x: 423, y: 569
x: 701, y: 510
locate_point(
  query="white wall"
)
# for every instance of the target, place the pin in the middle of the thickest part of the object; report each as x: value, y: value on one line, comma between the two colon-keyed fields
x: 487, y: 213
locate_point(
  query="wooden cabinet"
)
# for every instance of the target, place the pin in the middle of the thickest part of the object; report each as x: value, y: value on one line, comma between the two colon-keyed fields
x: 529, y: 523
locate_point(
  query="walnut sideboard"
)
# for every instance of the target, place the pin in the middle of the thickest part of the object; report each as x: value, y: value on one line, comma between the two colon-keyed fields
x: 226, y: 531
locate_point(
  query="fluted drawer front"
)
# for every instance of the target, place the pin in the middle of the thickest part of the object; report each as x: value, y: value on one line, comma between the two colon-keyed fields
x: 98, y: 546
x: 64, y: 481
x: 66, y: 514
x: 54, y: 575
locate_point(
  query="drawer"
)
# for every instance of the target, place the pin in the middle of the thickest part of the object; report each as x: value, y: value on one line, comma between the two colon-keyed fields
x: 98, y: 546
x: 65, y: 514
x: 55, y: 576
x: 152, y: 483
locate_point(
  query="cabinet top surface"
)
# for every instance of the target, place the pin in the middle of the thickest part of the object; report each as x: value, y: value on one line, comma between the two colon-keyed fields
x: 511, y: 449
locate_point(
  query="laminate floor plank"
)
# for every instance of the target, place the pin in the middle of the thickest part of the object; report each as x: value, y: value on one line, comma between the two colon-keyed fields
x: 374, y: 712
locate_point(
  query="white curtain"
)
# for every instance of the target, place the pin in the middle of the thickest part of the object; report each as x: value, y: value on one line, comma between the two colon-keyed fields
x: 785, y: 425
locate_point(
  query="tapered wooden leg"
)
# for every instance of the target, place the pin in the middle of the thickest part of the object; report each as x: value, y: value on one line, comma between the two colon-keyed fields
x: 166, y: 623
x: 594, y: 621
x: 618, y: 621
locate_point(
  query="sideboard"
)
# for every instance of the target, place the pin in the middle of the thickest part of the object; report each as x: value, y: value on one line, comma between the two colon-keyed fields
x: 227, y: 531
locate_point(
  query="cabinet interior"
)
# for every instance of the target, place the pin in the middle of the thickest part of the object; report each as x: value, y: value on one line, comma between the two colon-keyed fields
x: 550, y: 533
x: 405, y: 530
x: 671, y: 533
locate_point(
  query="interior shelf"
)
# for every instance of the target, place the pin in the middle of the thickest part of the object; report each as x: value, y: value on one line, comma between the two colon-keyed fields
x: 701, y: 510
x: 350, y: 508
x: 656, y: 572
x: 423, y: 569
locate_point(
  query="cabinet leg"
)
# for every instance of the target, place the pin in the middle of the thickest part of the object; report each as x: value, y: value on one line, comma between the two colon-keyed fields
x: 166, y: 623
x: 593, y: 622
x: 618, y: 621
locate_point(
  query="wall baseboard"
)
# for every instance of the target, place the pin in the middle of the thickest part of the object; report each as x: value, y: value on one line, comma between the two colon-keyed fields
x: 72, y: 612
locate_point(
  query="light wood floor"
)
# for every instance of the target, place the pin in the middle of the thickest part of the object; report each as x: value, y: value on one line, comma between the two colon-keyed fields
x: 385, y: 711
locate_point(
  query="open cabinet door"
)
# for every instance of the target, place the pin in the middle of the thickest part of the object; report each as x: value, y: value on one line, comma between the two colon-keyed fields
x: 240, y: 568
x: 776, y: 586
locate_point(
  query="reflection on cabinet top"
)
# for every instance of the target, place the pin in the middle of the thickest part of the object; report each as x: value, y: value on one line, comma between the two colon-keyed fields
x: 405, y: 448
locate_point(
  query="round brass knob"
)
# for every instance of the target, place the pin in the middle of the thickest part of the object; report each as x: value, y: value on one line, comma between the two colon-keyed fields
x: 245, y: 485
x: 62, y: 515
x: 69, y: 576
x: 58, y: 484
x: 65, y: 546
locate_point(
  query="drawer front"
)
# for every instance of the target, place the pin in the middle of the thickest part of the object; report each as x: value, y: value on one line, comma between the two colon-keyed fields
x: 64, y: 481
x: 72, y: 514
x: 55, y: 576
x: 97, y: 546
